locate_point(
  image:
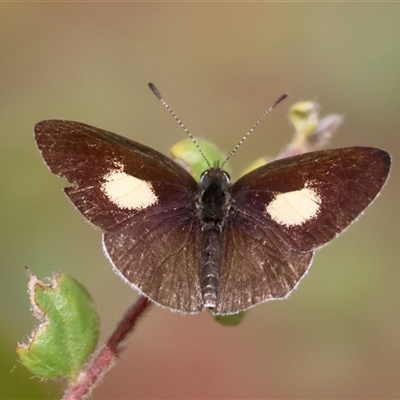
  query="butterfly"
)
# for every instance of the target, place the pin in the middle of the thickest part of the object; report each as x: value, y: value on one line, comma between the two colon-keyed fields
x: 190, y: 245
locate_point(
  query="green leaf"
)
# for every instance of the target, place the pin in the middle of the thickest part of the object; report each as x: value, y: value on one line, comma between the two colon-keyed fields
x: 188, y: 155
x: 69, y: 328
x: 230, y: 320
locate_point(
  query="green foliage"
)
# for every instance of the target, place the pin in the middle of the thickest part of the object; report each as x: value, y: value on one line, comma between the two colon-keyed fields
x: 230, y: 320
x: 188, y: 155
x: 69, y: 328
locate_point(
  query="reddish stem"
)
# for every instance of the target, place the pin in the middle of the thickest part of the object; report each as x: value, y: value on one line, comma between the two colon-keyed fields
x: 104, y: 360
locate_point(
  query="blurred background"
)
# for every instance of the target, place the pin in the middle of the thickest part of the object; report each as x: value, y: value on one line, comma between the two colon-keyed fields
x: 219, y: 65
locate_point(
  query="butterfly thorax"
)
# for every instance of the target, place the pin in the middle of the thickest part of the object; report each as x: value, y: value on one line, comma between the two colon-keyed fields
x: 214, y: 198
x: 213, y: 205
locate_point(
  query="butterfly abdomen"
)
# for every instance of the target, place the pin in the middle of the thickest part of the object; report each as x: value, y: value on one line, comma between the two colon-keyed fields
x: 210, y: 264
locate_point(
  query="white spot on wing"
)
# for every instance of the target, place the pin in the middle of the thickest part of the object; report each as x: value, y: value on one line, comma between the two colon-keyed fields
x: 295, y: 208
x: 126, y: 191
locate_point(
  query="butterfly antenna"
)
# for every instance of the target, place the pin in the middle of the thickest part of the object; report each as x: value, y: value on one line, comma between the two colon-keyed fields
x: 165, y: 104
x: 251, y: 130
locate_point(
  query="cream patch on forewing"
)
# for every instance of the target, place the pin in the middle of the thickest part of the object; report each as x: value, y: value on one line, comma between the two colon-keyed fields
x: 295, y: 208
x: 126, y: 191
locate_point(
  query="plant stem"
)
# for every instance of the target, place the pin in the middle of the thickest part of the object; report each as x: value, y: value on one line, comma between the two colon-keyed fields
x: 88, y: 379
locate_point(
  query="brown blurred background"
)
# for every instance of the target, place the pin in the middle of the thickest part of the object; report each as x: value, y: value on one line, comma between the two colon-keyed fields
x: 219, y: 66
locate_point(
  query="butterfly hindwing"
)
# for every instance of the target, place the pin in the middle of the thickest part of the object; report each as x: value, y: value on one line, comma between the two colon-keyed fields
x: 166, y: 270
x: 258, y: 267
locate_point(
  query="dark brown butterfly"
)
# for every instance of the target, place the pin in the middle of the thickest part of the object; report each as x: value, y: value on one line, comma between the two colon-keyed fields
x: 189, y: 246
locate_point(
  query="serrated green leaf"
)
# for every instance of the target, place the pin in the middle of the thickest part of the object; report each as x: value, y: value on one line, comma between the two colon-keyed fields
x: 69, y: 328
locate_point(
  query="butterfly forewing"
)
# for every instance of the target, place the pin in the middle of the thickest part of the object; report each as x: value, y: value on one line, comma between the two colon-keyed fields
x: 309, y: 199
x: 96, y: 161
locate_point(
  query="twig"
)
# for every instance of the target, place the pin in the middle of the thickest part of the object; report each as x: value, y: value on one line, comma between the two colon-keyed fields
x: 88, y: 379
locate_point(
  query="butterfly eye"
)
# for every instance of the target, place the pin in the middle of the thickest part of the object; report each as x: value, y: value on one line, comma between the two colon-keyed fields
x: 227, y: 176
x: 206, y: 176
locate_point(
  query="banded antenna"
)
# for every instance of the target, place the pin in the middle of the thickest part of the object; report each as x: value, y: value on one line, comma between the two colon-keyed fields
x: 249, y: 132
